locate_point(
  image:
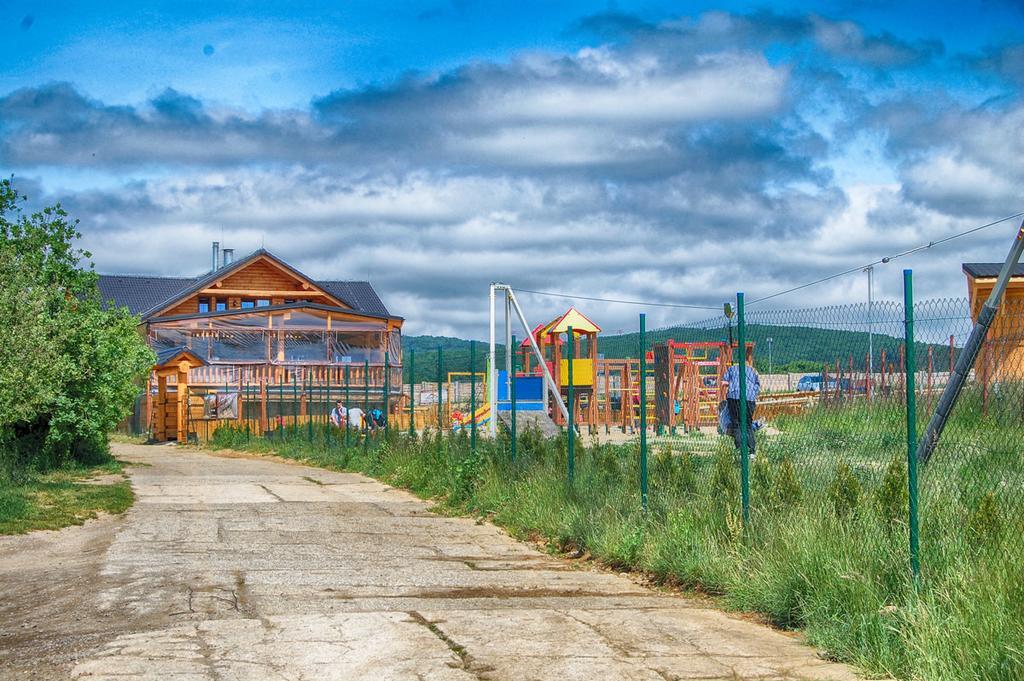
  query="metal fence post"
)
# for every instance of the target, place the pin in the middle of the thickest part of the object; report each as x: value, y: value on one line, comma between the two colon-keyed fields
x: 309, y: 406
x: 348, y: 401
x: 570, y: 352
x: 643, y: 411
x: 512, y: 397
x: 472, y: 396
x: 744, y: 416
x: 412, y: 392
x: 440, y: 417
x: 387, y: 391
x: 295, y: 403
x: 911, y: 372
x: 330, y: 408
x: 366, y: 404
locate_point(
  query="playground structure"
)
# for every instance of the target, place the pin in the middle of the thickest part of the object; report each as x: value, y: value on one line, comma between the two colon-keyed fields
x: 683, y: 379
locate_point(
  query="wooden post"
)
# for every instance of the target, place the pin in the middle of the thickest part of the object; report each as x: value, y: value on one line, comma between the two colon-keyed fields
x: 149, y: 402
x: 160, y: 426
x: 849, y: 386
x: 183, y: 401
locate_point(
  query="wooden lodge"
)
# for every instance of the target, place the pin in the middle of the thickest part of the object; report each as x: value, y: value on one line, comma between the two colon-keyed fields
x: 248, y: 336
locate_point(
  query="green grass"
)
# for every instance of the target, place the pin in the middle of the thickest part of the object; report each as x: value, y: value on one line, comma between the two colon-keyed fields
x: 826, y: 551
x: 56, y: 499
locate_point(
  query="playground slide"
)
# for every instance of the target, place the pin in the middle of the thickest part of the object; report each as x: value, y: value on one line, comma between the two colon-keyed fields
x: 482, y: 418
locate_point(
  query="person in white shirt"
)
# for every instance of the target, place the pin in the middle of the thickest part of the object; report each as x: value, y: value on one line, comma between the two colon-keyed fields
x: 355, y: 417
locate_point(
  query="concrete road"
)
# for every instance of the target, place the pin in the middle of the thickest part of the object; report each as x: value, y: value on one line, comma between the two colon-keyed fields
x: 247, y: 568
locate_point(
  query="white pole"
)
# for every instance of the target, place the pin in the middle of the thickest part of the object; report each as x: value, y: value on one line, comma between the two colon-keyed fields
x: 508, y: 350
x: 492, y: 384
x: 548, y: 380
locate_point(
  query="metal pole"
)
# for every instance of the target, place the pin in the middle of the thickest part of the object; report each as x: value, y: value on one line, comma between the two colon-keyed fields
x: 472, y: 397
x: 969, y: 353
x: 771, y: 364
x: 330, y: 406
x: 348, y: 402
x: 871, y: 332
x: 643, y: 411
x: 295, y: 403
x: 910, y: 369
x: 366, y: 404
x: 309, y: 406
x: 744, y: 445
x: 440, y: 417
x: 509, y: 350
x: 492, y: 385
x: 387, y: 391
x: 512, y: 398
x: 412, y: 392
x: 572, y: 411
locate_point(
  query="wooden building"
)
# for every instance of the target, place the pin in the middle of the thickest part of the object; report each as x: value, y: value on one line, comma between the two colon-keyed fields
x: 1002, y: 354
x: 229, y: 341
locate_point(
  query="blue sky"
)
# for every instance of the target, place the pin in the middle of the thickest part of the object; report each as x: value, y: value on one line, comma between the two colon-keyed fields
x: 600, y: 148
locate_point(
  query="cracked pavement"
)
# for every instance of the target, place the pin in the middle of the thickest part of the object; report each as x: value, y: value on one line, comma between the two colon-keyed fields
x: 232, y: 567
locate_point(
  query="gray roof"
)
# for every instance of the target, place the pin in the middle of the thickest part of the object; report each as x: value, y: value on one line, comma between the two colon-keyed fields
x: 984, y: 270
x: 143, y: 295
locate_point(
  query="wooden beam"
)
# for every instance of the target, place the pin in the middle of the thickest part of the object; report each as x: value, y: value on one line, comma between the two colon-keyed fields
x: 260, y: 293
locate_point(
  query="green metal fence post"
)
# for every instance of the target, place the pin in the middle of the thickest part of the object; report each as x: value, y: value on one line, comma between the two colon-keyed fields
x: 911, y: 369
x: 245, y: 387
x: 440, y: 417
x: 295, y: 403
x: 348, y: 400
x: 472, y: 396
x: 412, y: 392
x: 744, y: 416
x: 366, y: 404
x: 309, y: 405
x: 387, y: 391
x: 512, y: 398
x: 643, y: 411
x: 572, y: 408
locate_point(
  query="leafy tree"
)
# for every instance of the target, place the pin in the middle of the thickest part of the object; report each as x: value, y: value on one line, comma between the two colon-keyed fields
x: 70, y: 367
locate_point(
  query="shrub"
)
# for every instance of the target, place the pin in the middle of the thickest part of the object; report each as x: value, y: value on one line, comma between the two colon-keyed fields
x: 71, y: 366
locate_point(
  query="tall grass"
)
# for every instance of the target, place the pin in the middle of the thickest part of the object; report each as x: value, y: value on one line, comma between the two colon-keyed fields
x: 826, y: 551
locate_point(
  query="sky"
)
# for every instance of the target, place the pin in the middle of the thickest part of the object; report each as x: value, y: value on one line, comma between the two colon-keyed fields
x: 653, y: 151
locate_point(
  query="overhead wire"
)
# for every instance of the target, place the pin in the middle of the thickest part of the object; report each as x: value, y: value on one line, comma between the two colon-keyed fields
x: 887, y: 259
x: 860, y: 268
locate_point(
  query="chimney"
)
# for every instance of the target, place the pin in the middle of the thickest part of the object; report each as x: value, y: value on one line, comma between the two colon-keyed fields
x: 228, y: 256
x: 216, y: 255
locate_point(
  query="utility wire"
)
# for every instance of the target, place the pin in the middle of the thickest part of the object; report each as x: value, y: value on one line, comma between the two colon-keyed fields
x: 888, y: 259
x: 613, y: 300
x: 881, y: 261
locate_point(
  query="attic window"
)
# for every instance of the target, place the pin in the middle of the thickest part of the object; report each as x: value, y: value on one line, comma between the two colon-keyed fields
x: 248, y: 303
x: 204, y: 305
x: 221, y: 306
x: 263, y: 302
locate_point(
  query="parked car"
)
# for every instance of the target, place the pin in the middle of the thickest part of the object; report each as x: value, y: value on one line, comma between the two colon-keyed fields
x: 812, y: 383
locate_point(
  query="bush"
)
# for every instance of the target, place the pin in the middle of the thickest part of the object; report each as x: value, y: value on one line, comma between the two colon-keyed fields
x: 71, y: 367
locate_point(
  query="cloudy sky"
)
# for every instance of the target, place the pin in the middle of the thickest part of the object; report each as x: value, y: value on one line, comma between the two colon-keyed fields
x: 672, y: 152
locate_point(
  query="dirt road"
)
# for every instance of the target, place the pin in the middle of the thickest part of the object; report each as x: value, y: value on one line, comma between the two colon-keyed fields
x: 245, y: 568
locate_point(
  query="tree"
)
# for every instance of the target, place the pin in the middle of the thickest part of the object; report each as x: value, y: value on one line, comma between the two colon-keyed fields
x: 70, y: 366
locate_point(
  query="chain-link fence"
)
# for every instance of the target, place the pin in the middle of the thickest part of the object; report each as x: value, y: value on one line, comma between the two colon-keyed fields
x: 828, y: 434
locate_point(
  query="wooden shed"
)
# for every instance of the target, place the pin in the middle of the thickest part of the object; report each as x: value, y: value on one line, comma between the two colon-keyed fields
x: 1002, y: 355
